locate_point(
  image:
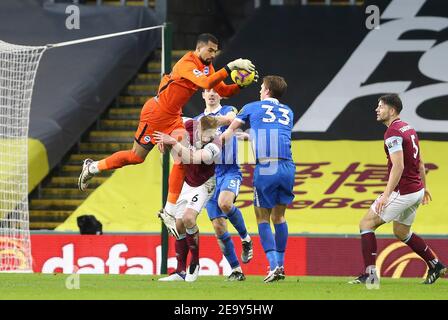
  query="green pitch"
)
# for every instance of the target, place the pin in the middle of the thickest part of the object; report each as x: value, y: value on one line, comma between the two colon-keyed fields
x: 39, y: 286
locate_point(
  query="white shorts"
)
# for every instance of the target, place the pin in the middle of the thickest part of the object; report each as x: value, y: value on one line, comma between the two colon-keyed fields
x: 194, y: 197
x: 401, y: 208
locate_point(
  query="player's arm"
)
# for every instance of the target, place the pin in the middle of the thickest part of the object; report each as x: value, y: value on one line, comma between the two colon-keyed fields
x: 188, y: 70
x: 226, y: 90
x: 427, y: 197
x: 227, y: 118
x: 236, y: 123
x: 207, y: 154
x: 394, y: 145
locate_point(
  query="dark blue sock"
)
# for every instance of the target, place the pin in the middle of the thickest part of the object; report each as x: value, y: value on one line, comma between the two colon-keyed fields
x: 281, y: 238
x: 228, y: 249
x: 236, y: 218
x: 268, y: 243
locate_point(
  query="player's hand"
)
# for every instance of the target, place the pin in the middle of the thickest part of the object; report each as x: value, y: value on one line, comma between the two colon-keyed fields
x: 225, y: 136
x: 381, y: 203
x: 427, y: 197
x: 244, y: 64
x: 256, y: 77
x: 163, y: 138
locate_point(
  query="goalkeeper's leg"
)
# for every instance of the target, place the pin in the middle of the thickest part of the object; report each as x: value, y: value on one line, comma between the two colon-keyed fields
x: 117, y: 160
x: 175, y: 183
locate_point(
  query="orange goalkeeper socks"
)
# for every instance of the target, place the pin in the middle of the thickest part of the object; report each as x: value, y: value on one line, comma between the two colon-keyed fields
x: 175, y: 182
x: 119, y: 159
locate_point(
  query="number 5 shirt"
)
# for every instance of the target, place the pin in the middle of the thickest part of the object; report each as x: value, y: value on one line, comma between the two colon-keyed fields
x: 400, y: 136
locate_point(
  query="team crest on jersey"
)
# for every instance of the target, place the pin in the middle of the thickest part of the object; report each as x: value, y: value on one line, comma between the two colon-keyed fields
x: 197, y: 72
x: 147, y: 139
x: 206, y: 70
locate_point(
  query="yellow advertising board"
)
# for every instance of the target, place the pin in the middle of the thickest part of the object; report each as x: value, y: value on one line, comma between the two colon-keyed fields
x: 335, y: 184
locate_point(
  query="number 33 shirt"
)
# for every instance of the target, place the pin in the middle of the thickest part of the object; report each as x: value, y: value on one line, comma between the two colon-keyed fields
x: 271, y: 125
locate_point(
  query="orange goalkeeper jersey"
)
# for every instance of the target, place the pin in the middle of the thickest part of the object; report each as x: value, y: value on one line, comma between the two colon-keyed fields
x: 188, y: 75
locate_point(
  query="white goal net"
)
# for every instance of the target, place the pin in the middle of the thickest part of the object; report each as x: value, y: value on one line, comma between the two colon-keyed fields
x: 18, y: 66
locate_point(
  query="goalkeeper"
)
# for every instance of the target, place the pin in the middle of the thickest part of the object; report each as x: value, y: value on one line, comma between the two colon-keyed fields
x: 163, y: 112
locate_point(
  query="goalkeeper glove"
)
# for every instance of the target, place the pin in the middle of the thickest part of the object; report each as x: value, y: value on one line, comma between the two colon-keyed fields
x: 244, y: 64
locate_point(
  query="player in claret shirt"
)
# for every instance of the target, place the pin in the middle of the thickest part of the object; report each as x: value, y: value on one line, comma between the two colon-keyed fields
x: 406, y: 189
x: 198, y: 157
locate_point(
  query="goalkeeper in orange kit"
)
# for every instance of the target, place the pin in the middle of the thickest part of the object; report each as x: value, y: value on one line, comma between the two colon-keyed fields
x: 163, y: 112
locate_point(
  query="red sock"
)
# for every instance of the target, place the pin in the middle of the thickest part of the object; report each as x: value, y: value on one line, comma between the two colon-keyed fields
x: 119, y: 159
x: 181, y: 255
x: 422, y: 249
x: 193, y: 245
x: 368, y: 245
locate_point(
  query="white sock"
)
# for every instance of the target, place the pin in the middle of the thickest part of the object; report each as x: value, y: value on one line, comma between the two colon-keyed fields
x: 170, y: 208
x: 93, y: 167
x: 192, y: 230
x: 237, y: 269
x: 246, y: 238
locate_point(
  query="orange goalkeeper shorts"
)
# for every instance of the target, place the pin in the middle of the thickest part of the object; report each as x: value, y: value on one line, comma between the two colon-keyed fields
x: 152, y: 118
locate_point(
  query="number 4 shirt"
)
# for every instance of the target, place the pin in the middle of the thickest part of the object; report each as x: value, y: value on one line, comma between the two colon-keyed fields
x: 400, y: 136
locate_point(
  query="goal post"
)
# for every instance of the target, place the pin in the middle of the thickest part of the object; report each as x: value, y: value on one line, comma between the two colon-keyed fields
x: 18, y: 66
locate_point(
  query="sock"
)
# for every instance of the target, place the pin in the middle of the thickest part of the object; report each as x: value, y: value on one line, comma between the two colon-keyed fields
x: 119, y: 159
x: 422, y: 249
x: 237, y: 269
x: 170, y: 208
x: 193, y: 244
x: 175, y: 182
x: 228, y: 249
x: 268, y: 243
x: 181, y: 253
x: 236, y: 218
x: 281, y: 238
x: 368, y: 245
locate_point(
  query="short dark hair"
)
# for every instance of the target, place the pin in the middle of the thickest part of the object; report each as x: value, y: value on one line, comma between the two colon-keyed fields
x: 392, y: 100
x: 276, y: 85
x: 205, y: 38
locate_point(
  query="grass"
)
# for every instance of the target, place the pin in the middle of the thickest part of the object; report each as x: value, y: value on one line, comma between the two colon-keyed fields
x: 110, y: 287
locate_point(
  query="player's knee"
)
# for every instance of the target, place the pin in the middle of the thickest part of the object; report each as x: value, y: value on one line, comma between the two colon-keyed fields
x: 366, y: 225
x: 225, y: 206
x: 135, y: 158
x: 189, y: 221
x: 278, y: 219
x: 401, y: 234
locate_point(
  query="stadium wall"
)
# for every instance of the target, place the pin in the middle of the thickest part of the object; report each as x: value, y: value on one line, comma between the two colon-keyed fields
x: 335, y: 184
x: 141, y: 254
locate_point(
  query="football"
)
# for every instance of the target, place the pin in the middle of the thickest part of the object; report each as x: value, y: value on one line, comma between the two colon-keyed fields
x: 242, y: 77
